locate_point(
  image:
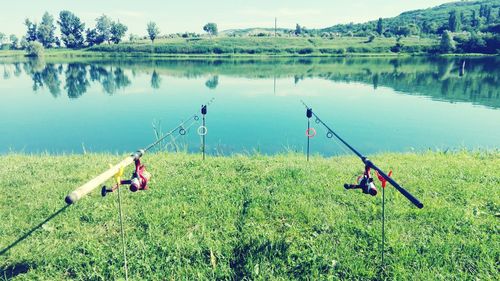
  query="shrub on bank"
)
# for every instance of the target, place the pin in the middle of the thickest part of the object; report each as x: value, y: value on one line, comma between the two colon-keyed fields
x: 35, y: 49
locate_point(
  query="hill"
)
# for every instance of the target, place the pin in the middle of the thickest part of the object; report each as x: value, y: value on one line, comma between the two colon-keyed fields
x: 431, y: 21
x: 417, y: 22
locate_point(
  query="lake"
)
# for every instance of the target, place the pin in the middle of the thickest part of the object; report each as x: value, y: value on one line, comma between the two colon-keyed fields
x: 376, y: 104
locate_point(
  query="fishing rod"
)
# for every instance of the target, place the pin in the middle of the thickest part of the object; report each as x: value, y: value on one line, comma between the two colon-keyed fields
x: 365, y: 181
x: 367, y: 185
x: 139, y: 180
x: 140, y: 177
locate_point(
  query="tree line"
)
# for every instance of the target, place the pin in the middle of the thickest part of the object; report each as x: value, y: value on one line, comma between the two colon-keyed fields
x: 74, y: 35
x: 73, y: 32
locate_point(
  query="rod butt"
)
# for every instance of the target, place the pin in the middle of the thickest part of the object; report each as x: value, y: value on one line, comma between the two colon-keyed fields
x: 71, y: 198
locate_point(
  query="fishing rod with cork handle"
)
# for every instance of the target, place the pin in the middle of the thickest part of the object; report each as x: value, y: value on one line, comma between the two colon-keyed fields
x: 140, y: 176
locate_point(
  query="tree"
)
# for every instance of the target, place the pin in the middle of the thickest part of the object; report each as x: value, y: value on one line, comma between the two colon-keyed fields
x: 489, y: 15
x: 2, y: 38
x: 370, y: 38
x: 429, y: 27
x: 23, y: 43
x: 404, y: 31
x: 155, y: 80
x: 132, y: 37
x: 211, y: 29
x: 92, y: 37
x: 454, y: 21
x: 31, y: 33
x: 118, y: 30
x: 475, y: 44
x: 463, y: 19
x: 103, y: 28
x: 46, y: 30
x: 485, y: 12
x: 475, y: 22
x: 71, y: 29
x: 298, y: 29
x: 35, y: 49
x: 398, y: 47
x: 14, y: 41
x: 212, y: 82
x: 153, y: 31
x: 447, y: 44
x: 380, y: 27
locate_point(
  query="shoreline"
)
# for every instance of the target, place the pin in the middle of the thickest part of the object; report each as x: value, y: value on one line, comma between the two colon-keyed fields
x: 85, y: 54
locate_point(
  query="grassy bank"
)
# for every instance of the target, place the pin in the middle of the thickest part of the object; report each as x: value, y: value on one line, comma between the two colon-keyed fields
x: 268, y: 46
x: 261, y: 217
x: 247, y: 47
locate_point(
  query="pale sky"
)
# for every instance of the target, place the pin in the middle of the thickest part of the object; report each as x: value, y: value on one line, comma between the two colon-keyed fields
x: 189, y: 15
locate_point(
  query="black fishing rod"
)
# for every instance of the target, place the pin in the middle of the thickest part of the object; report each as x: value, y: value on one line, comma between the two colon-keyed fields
x: 368, y: 163
x: 365, y: 182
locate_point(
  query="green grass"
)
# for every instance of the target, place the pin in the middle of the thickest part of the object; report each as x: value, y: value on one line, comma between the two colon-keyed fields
x: 260, y: 217
x: 243, y: 47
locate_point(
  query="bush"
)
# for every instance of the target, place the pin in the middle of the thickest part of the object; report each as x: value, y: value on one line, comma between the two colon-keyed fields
x: 447, y: 44
x: 35, y: 49
x: 332, y: 51
x: 305, y: 51
x: 398, y: 47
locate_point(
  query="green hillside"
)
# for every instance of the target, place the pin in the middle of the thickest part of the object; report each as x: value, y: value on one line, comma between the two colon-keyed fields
x: 427, y: 21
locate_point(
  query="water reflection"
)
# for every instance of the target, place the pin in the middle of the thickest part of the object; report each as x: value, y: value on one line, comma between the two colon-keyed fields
x: 155, y: 80
x: 213, y: 82
x: 473, y: 80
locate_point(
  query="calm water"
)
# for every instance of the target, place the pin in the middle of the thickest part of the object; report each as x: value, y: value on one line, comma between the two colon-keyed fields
x: 376, y: 104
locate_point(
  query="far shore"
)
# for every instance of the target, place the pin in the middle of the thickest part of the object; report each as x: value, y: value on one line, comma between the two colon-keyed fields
x: 246, y: 47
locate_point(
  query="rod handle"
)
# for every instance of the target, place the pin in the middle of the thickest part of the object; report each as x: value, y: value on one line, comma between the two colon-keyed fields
x: 86, y: 188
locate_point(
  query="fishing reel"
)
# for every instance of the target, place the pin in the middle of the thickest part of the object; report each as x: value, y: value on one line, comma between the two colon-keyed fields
x: 366, y: 184
x: 138, y: 181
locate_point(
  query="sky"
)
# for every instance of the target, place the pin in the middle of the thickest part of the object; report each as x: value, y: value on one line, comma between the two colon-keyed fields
x: 190, y: 15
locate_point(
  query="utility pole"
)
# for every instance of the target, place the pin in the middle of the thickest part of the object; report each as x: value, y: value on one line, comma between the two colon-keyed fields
x: 275, y: 26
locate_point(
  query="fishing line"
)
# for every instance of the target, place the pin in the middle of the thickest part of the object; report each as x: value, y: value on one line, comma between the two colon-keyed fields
x: 182, y: 132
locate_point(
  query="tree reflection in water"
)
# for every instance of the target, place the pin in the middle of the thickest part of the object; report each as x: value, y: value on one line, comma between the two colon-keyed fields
x: 451, y: 79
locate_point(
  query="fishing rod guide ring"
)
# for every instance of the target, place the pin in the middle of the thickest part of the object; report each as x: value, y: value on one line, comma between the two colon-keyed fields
x: 196, y: 118
x: 310, y: 133
x: 329, y: 134
x: 182, y: 131
x: 202, y: 130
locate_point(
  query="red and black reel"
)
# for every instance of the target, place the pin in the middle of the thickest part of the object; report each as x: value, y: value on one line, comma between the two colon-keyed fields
x: 138, y: 181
